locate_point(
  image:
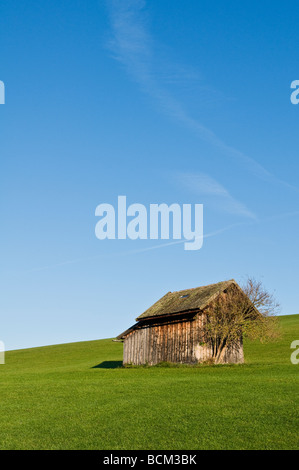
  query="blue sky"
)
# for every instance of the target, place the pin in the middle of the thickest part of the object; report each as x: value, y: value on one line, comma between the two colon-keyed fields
x: 161, y: 101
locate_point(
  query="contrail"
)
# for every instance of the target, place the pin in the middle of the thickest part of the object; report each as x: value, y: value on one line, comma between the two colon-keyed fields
x: 163, y: 245
x: 130, y: 252
x: 132, y: 45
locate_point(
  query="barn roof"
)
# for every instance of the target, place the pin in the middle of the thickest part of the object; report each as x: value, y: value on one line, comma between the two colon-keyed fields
x: 185, y: 300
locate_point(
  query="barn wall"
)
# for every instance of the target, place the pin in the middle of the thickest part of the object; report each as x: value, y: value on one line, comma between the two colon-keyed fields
x: 180, y: 341
x: 234, y: 355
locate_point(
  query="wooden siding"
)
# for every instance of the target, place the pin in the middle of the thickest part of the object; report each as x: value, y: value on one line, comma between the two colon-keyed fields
x: 176, y: 341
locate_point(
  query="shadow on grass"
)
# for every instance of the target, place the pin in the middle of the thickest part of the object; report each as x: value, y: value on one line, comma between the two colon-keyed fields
x: 108, y: 365
x: 166, y: 365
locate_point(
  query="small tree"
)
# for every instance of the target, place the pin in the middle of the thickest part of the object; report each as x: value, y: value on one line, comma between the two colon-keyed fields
x: 237, y: 313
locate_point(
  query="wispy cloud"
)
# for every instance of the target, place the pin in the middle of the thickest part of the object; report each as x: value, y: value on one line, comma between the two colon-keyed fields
x: 132, y: 45
x: 215, y: 193
x: 130, y: 42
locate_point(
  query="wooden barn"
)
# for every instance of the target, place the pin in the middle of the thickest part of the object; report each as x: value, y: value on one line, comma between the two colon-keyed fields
x: 171, y: 329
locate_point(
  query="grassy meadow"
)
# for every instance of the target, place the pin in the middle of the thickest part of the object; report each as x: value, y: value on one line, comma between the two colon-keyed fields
x: 77, y: 396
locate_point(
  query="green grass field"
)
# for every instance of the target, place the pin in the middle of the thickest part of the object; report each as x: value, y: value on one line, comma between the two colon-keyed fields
x: 76, y: 396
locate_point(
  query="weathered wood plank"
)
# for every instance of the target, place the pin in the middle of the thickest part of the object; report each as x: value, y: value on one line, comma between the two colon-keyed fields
x: 179, y: 340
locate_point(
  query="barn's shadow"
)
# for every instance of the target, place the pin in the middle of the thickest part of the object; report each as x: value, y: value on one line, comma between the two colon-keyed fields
x: 108, y: 365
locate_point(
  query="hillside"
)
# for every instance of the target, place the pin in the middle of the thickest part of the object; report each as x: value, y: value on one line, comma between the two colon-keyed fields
x: 76, y: 396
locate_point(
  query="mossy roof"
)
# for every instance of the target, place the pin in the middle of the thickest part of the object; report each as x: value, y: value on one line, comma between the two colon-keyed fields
x: 184, y: 300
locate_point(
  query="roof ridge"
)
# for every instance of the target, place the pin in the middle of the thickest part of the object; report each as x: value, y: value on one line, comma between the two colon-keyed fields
x: 194, y: 298
x: 201, y: 287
